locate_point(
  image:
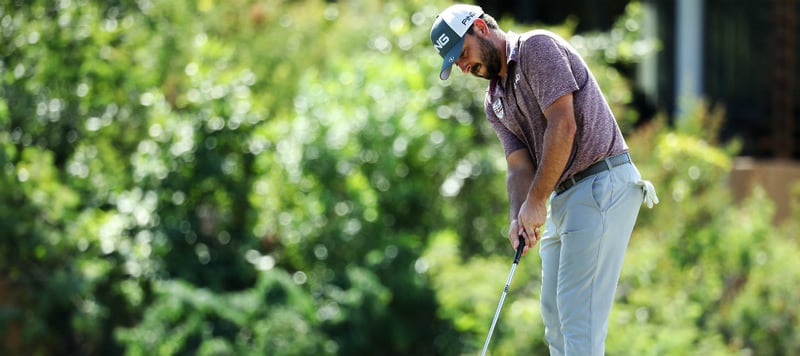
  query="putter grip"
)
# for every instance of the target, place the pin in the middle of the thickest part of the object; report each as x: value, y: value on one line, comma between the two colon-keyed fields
x: 520, y: 247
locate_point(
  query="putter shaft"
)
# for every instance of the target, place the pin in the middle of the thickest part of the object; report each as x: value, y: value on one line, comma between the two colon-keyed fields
x: 520, y: 247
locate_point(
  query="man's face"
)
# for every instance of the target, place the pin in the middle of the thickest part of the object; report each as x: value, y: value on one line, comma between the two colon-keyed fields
x: 480, y: 57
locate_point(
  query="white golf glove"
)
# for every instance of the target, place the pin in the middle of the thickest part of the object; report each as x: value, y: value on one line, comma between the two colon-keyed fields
x: 650, y: 197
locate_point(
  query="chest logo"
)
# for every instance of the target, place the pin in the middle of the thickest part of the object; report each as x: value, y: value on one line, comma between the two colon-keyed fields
x: 497, y: 106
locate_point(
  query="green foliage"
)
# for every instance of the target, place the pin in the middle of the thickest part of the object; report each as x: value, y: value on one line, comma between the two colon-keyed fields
x: 469, y: 292
x: 267, y: 316
x: 200, y: 177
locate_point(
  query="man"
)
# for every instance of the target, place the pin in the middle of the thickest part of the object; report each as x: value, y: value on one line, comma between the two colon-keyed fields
x: 562, y: 144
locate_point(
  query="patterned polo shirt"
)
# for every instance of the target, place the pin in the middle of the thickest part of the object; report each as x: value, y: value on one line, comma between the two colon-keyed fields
x: 543, y: 67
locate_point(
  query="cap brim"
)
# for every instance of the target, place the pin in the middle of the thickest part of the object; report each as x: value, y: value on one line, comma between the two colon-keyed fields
x: 450, y: 59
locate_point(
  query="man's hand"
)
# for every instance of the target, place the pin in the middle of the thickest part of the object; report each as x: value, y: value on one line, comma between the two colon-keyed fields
x: 514, y: 232
x: 532, y: 216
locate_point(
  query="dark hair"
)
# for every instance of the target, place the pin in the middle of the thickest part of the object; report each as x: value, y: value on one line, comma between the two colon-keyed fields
x: 490, y: 22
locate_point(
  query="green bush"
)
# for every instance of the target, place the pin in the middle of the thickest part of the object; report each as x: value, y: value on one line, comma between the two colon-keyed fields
x: 269, y: 316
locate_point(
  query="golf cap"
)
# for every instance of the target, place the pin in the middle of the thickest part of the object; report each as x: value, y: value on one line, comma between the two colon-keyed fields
x: 447, y: 33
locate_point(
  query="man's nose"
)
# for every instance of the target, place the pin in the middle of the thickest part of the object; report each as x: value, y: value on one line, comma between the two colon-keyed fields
x: 462, y: 64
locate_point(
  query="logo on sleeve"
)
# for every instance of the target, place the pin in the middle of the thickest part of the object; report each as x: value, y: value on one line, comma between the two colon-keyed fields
x: 497, y: 106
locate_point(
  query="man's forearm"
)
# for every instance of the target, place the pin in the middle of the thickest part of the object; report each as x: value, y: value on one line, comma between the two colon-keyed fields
x: 558, y: 141
x: 518, y: 183
x: 557, y: 147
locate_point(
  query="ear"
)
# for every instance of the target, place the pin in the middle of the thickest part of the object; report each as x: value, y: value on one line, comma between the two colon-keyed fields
x: 481, y: 27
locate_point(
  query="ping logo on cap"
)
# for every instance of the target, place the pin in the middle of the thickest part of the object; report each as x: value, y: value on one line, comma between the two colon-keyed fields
x: 468, y: 19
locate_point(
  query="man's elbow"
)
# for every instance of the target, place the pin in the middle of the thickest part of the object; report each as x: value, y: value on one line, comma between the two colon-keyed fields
x: 569, y: 127
x: 520, y: 166
x: 564, y: 127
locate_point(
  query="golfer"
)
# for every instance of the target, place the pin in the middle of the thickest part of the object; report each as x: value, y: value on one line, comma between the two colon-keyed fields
x: 561, y: 144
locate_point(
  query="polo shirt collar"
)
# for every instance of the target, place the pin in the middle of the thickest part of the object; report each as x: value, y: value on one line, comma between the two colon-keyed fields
x: 512, y: 47
x: 512, y: 55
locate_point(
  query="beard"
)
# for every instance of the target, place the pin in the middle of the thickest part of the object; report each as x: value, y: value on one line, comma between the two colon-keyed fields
x: 490, y: 59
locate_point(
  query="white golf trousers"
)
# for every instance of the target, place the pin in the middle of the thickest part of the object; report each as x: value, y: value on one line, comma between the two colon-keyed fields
x: 587, y: 232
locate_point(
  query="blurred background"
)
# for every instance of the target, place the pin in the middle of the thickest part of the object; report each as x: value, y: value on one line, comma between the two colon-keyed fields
x: 252, y: 177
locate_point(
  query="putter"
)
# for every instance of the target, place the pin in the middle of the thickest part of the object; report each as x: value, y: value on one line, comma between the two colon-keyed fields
x: 503, y: 297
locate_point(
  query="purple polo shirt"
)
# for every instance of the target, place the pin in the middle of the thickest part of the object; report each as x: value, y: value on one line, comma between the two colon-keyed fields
x: 543, y: 67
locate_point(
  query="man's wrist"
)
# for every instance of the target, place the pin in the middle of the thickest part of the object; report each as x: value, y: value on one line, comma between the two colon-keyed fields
x: 535, y: 195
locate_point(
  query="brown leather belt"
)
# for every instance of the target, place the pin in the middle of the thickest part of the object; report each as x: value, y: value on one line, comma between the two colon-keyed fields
x: 600, y: 166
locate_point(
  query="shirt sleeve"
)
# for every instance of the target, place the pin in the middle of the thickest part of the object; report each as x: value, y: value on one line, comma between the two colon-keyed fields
x: 547, y: 68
